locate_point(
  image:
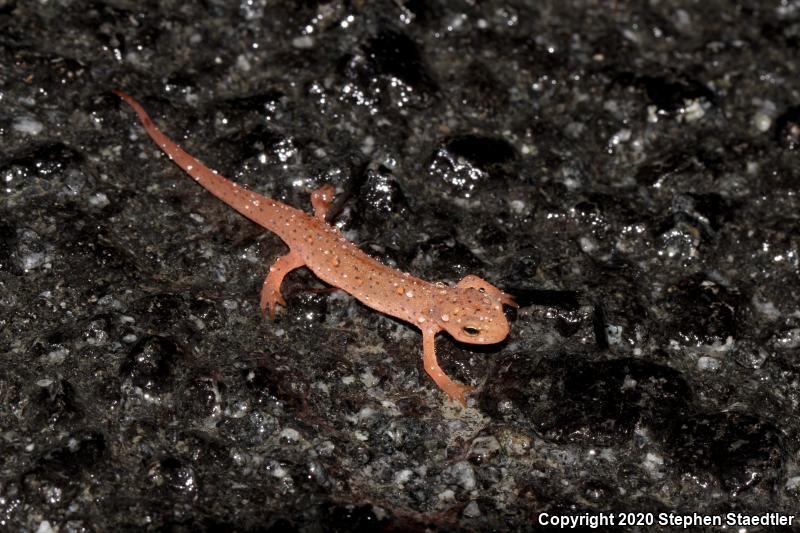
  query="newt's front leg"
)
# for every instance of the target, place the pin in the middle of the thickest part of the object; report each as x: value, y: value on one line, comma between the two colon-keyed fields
x: 271, y: 290
x: 456, y: 391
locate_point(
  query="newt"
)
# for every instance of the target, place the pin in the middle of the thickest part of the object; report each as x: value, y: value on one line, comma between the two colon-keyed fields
x: 471, y: 311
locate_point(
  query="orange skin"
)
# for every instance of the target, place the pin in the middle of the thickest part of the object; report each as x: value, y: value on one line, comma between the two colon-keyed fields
x: 471, y: 312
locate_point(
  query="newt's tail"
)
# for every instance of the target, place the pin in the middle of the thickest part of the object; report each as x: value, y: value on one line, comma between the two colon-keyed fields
x: 260, y: 209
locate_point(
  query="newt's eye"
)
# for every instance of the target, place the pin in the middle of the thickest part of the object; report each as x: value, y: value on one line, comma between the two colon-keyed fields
x: 471, y: 331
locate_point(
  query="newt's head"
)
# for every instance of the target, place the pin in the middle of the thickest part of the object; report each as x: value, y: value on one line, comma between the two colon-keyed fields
x: 473, y: 311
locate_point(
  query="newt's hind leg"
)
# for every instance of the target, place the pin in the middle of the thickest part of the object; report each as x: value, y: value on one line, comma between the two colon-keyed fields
x: 271, y: 290
x: 321, y: 200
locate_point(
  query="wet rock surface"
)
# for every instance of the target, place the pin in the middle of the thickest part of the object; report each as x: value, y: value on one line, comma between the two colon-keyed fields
x: 629, y: 171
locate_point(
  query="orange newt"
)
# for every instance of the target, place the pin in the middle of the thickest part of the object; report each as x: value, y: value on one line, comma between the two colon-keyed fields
x: 472, y: 311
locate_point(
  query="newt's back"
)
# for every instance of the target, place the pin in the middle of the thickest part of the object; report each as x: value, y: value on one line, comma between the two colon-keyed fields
x: 342, y: 264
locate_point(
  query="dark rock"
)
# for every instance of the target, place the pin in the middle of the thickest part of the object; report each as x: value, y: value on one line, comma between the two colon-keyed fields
x: 355, y: 518
x: 54, y: 403
x: 572, y: 399
x: 702, y: 311
x: 306, y: 308
x: 673, y: 94
x: 44, y: 160
x: 480, y: 92
x: 273, y: 381
x: 445, y: 253
x: 392, y: 53
x: 737, y: 450
x: 81, y: 453
x: 203, y: 397
x: 560, y: 299
x: 787, y: 128
x: 614, y: 176
x: 467, y: 162
x: 8, y: 242
x: 381, y: 197
x: 174, y: 475
x: 150, y: 365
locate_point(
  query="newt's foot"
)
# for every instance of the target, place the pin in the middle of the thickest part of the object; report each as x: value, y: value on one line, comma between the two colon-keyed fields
x: 270, y: 297
x: 458, y: 392
x: 321, y: 200
x: 271, y: 290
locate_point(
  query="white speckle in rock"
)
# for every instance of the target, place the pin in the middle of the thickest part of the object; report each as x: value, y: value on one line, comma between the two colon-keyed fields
x: 652, y: 464
x: 402, y: 476
x: 368, y: 145
x: 693, y: 110
x: 588, y: 245
x: 366, y: 412
x: 326, y: 448
x: 277, y: 470
x: 762, y: 122
x: 96, y: 335
x: 32, y: 260
x: 198, y: 322
x: 614, y: 334
x: 99, y: 200
x: 484, y: 447
x: 472, y: 510
x: 464, y: 475
x: 622, y: 136
x: 766, y: 308
x: 446, y: 495
x: 628, y: 383
x: 28, y: 126
x: 242, y: 63
x: 109, y: 301
x: 45, y: 527
x: 303, y: 42
x: 290, y: 435
x: 57, y: 356
x: 788, y: 340
x: 708, y: 363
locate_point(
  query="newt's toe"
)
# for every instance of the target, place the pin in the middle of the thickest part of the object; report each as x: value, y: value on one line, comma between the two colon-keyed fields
x: 459, y: 393
x: 270, y: 298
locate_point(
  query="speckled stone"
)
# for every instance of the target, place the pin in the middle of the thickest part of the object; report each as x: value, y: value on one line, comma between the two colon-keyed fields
x: 629, y: 171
